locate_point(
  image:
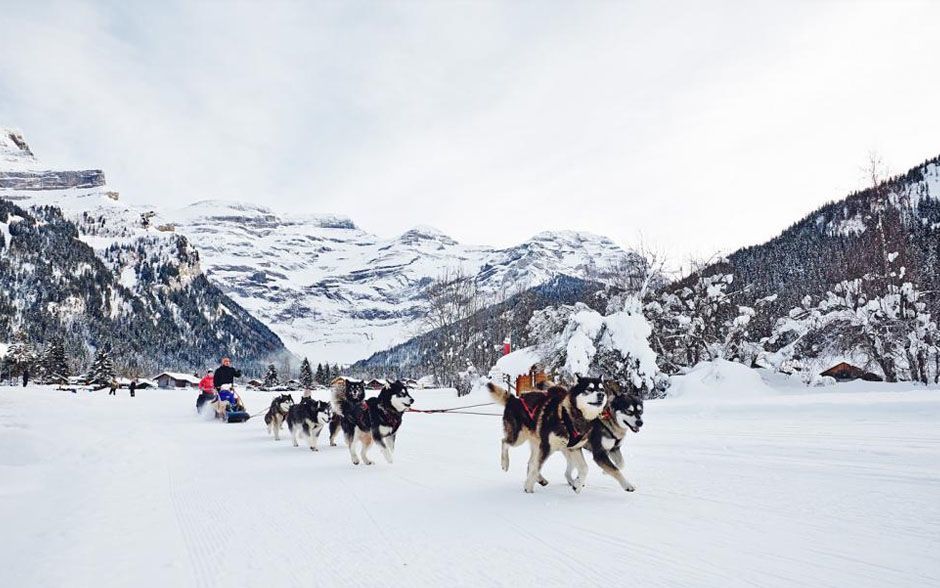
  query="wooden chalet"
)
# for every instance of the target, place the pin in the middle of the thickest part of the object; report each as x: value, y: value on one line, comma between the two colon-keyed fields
x: 845, y: 372
x: 168, y: 380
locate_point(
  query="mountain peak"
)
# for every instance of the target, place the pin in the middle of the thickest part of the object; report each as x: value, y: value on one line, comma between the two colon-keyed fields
x: 15, y: 153
x: 568, y: 236
x: 425, y: 233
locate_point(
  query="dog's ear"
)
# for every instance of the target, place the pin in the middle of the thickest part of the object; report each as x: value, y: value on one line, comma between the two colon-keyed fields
x: 613, y: 386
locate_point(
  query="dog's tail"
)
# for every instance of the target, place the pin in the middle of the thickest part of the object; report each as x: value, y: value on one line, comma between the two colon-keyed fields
x: 499, y: 395
x: 338, y: 396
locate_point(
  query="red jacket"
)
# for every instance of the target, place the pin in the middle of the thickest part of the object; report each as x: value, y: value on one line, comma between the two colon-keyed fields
x: 206, y: 385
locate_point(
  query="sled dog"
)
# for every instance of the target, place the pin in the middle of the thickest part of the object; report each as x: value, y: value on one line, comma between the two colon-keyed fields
x: 348, y: 397
x: 378, y: 421
x: 624, y: 413
x: 277, y: 414
x: 559, y: 419
x: 307, y: 418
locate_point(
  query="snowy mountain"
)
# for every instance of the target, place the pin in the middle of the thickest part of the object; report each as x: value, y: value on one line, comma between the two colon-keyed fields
x: 334, y: 292
x: 78, y: 262
x: 20, y: 170
x: 896, y: 224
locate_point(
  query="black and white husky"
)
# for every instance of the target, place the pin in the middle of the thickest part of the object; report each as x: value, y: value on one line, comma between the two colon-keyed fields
x: 377, y: 421
x: 308, y: 417
x: 277, y: 414
x: 624, y: 413
x: 348, y: 399
x: 558, y: 419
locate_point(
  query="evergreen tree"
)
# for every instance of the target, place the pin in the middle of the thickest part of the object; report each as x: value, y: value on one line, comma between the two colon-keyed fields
x: 270, y: 377
x: 327, y: 376
x: 54, y: 366
x: 101, y: 372
x: 336, y: 371
x: 306, y: 374
x: 321, y: 376
x: 20, y: 357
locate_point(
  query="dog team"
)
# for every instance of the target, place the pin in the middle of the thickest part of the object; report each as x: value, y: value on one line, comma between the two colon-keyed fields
x: 594, y: 414
x: 363, y: 421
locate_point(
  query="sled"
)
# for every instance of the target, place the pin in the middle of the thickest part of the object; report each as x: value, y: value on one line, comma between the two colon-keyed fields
x: 234, y: 411
x: 236, y: 416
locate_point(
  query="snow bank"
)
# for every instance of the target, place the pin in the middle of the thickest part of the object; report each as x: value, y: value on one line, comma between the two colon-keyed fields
x: 719, y: 380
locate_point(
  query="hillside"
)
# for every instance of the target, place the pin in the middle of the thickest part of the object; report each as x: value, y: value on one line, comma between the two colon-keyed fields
x: 484, y: 331
x: 78, y: 263
x: 842, y: 240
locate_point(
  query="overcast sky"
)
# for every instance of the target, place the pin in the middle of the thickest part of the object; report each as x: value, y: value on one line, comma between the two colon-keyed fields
x: 696, y: 126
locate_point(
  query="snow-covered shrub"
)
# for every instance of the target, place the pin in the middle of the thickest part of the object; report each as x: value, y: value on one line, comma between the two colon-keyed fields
x: 699, y: 322
x: 577, y: 340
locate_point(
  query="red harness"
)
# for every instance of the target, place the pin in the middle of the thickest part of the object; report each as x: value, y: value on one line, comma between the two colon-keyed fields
x: 529, y: 410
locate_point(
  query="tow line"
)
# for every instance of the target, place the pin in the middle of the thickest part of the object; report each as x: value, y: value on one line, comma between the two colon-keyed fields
x: 456, y: 410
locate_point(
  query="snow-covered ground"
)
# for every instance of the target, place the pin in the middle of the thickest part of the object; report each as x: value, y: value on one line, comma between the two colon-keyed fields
x: 832, y: 487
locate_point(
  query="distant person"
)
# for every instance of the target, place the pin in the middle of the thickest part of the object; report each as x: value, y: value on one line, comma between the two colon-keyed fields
x: 133, y: 387
x: 113, y: 388
x: 26, y: 376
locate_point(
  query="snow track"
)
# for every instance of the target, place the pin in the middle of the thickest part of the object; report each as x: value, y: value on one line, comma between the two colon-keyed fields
x: 821, y: 489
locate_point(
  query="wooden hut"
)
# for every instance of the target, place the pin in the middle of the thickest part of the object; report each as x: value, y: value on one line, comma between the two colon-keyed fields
x: 168, y: 380
x: 376, y: 383
x: 845, y: 372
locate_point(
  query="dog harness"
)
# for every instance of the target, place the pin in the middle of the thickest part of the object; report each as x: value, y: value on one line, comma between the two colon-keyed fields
x: 574, y: 435
x: 532, y: 407
x: 388, y: 418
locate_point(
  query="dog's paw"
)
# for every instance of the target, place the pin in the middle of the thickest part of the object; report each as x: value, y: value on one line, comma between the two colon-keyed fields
x: 629, y: 487
x: 314, y: 449
x: 332, y: 444
x: 543, y: 482
x: 529, y: 490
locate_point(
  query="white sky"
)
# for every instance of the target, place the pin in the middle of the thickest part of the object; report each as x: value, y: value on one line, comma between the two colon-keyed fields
x: 696, y: 127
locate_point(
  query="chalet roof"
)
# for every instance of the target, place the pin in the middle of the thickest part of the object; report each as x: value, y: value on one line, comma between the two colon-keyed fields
x: 179, y: 376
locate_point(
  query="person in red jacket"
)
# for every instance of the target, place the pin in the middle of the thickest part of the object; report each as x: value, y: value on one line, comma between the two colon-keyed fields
x: 206, y: 383
x: 206, y: 390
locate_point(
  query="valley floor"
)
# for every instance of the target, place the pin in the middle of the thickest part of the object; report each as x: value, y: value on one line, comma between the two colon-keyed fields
x: 833, y: 488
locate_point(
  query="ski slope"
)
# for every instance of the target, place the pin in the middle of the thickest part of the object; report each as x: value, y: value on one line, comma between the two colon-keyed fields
x: 832, y: 488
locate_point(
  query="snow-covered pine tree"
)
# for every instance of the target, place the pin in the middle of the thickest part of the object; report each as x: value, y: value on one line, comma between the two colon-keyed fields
x: 55, y: 369
x: 101, y: 372
x: 270, y: 377
x: 320, y: 376
x: 20, y: 356
x: 306, y: 374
